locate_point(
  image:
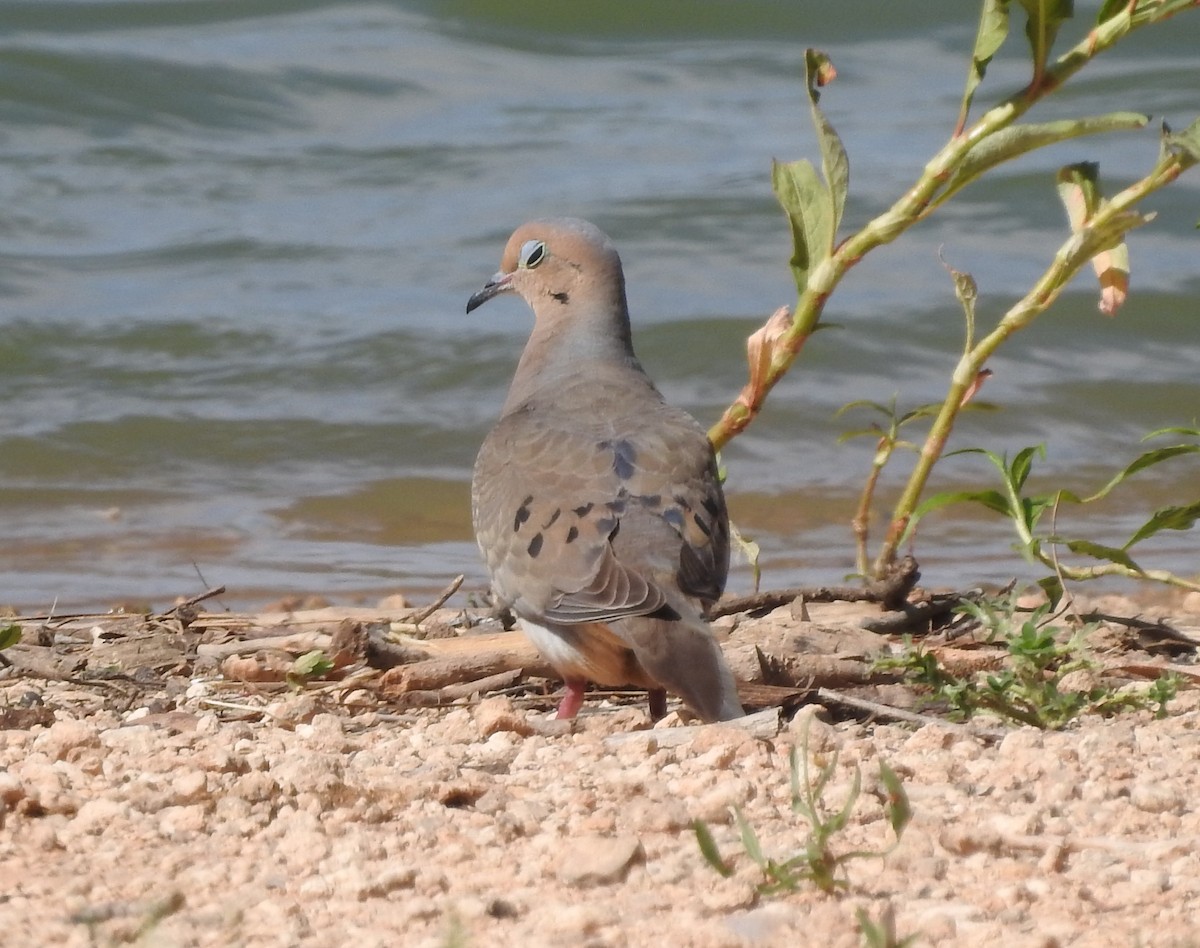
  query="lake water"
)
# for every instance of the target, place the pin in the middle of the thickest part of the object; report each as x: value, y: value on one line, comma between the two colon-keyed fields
x: 236, y: 240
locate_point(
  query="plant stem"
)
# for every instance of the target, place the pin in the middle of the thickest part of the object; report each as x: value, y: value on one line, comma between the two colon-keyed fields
x: 921, y: 200
x: 1102, y: 231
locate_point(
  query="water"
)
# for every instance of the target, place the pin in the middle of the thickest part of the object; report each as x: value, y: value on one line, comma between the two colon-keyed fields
x: 236, y: 241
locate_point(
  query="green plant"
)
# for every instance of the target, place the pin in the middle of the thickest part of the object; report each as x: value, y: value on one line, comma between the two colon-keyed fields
x: 888, y: 441
x: 817, y: 862
x: 10, y: 635
x: 1162, y: 691
x: 881, y: 934
x: 1026, y: 512
x: 1028, y: 689
x: 308, y: 666
x: 814, y: 203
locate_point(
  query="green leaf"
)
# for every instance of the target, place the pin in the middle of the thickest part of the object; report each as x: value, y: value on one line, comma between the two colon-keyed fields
x: 1018, y: 471
x: 1109, y: 9
x: 749, y: 838
x: 10, y: 635
x: 992, y: 499
x: 993, y: 30
x: 312, y: 664
x: 873, y: 432
x: 898, y: 808
x: 837, y: 822
x: 1052, y: 586
x: 888, y: 411
x: 1032, y: 509
x: 1187, y: 432
x: 1044, y: 18
x: 809, y: 209
x: 1101, y: 552
x: 928, y: 410
x: 1144, y: 461
x: 835, y: 165
x: 1016, y: 140
x: 1001, y: 463
x: 708, y: 848
x: 1166, y: 518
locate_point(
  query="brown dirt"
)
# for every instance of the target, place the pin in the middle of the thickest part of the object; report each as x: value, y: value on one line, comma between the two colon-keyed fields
x: 147, y: 798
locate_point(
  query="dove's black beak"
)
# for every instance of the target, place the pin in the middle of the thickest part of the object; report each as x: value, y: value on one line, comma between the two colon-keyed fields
x: 499, y: 283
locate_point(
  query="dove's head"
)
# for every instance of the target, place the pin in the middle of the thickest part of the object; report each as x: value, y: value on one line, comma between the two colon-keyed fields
x: 559, y: 266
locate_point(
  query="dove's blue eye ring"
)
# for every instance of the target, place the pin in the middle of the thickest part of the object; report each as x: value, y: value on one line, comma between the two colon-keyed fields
x: 533, y: 252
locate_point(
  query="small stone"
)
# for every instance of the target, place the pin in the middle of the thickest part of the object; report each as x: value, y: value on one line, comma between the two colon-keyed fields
x: 1020, y: 742
x: 1079, y: 680
x: 723, y: 739
x: 64, y: 736
x: 728, y: 895
x: 190, y: 787
x: 298, y: 709
x: 255, y: 787
x: 1157, y: 798
x: 599, y: 860
x: 182, y: 822
x: 501, y: 908
x: 497, y: 714
x: 12, y: 791
x: 813, y: 720
x: 98, y: 816
x: 387, y: 882
x: 762, y: 926
x: 1152, y: 880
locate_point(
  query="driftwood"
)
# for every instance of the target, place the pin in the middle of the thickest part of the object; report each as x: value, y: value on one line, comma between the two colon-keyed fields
x: 820, y: 649
x: 763, y: 724
x: 466, y: 658
x: 890, y: 593
x: 299, y: 643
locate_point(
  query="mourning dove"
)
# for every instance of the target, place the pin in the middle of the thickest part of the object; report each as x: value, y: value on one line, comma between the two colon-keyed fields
x: 597, y: 506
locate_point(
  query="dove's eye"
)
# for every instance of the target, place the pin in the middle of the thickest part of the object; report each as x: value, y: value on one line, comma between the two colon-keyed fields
x: 533, y: 252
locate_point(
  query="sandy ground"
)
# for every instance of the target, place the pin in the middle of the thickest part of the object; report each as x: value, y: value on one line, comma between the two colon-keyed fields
x: 187, y: 810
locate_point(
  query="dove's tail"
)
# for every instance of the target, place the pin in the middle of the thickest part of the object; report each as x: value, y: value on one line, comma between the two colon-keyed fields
x: 680, y: 653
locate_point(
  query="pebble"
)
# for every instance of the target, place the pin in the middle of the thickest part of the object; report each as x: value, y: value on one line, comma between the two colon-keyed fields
x: 66, y: 735
x: 1157, y: 798
x: 497, y: 714
x: 599, y: 860
x: 408, y: 828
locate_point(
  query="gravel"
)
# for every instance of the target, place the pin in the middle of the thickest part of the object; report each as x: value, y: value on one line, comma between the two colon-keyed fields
x: 486, y: 825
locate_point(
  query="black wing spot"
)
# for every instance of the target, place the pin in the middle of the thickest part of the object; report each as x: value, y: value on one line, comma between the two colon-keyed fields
x: 553, y: 517
x: 650, y: 500
x: 522, y: 513
x: 572, y: 535
x: 711, y: 506
x: 704, y: 527
x: 563, y: 298
x: 608, y: 526
x: 583, y: 510
x: 624, y: 463
x: 535, y: 545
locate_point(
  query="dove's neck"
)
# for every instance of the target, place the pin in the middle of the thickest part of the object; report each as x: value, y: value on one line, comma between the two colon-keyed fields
x: 570, y: 347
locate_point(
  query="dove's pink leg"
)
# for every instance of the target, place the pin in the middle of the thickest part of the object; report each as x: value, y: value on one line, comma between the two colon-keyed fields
x: 573, y: 700
x: 658, y: 703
